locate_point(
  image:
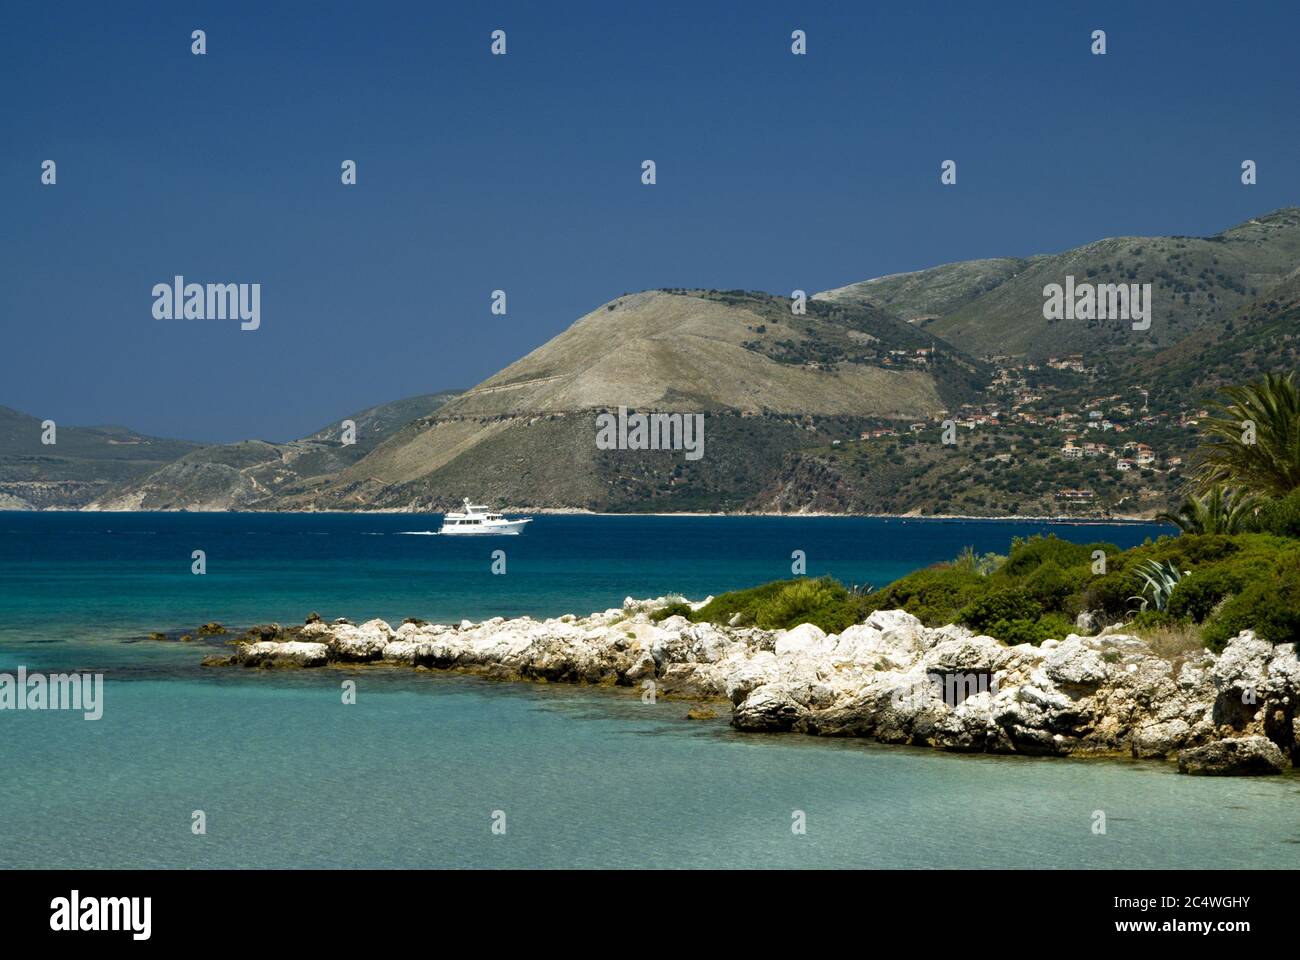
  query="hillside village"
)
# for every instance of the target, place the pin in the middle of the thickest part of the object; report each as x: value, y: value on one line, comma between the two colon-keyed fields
x: 1082, y: 452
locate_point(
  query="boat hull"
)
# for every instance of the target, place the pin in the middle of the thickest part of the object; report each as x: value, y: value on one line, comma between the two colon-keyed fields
x: 509, y: 529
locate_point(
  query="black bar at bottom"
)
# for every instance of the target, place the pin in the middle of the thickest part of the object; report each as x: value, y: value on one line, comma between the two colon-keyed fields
x: 331, y: 908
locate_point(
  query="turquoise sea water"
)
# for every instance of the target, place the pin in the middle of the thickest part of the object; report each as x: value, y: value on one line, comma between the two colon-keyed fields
x: 412, y: 773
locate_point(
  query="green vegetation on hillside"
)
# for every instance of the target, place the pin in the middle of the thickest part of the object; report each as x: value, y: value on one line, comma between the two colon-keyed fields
x: 1198, y: 285
x: 255, y: 474
x: 989, y: 471
x: 82, y: 463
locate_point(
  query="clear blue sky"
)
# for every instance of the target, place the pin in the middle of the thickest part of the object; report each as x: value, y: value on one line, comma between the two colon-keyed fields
x: 523, y: 173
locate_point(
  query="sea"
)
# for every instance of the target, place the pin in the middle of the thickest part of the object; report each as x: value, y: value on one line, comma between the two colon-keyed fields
x: 193, y: 767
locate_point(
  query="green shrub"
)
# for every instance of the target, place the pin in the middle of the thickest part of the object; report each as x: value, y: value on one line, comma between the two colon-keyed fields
x: 824, y: 602
x: 1109, y: 593
x: 1269, y: 607
x: 1028, y: 554
x: 1048, y: 626
x: 1197, y: 549
x: 1052, y: 587
x: 934, y: 595
x: 1200, y: 592
x: 1279, y: 516
x: 787, y: 603
x: 968, y: 561
x: 1244, y: 581
x: 677, y: 609
x: 1009, y: 603
x: 724, y: 606
x: 1151, y: 619
x: 1002, y: 613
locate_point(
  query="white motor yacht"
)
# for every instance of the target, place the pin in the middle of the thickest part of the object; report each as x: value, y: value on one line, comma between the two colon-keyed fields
x: 479, y: 519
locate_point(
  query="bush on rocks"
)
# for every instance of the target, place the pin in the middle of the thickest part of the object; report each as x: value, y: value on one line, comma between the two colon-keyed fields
x: 784, y: 604
x: 934, y: 595
x: 1270, y: 607
x: 676, y: 609
x: 1198, y: 594
x: 1000, y: 607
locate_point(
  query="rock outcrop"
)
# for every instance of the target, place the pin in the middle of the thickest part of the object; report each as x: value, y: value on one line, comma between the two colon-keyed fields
x: 1236, y: 755
x: 890, y: 678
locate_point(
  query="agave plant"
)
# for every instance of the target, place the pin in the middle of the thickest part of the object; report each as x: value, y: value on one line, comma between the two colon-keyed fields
x: 1253, y: 440
x: 1221, y: 510
x: 1159, y: 581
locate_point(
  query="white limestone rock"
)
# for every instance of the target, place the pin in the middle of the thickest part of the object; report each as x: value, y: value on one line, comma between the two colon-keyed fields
x: 360, y: 644
x: 771, y: 707
x: 746, y: 675
x: 807, y: 639
x: 291, y: 653
x: 889, y: 678
x: 1075, y: 663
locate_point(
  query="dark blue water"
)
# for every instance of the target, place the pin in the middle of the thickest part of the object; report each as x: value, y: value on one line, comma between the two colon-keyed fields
x: 413, y: 773
x: 112, y: 572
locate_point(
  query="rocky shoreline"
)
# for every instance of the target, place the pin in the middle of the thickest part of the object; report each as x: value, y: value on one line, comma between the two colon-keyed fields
x: 889, y: 679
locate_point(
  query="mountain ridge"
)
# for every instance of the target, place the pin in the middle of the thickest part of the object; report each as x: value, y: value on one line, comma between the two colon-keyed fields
x: 796, y: 402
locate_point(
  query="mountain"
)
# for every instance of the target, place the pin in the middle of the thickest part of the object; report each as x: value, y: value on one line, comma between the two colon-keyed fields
x: 255, y: 474
x: 1227, y: 310
x: 82, y: 463
x: 786, y: 398
x: 768, y: 382
x: 929, y: 294
x: 1263, y: 335
x: 996, y: 306
x: 837, y: 408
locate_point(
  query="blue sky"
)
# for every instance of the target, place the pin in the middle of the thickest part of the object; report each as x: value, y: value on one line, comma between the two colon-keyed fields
x: 523, y: 173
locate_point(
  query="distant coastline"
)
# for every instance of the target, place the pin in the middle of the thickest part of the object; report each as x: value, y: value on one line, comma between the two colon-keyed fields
x: 578, y: 512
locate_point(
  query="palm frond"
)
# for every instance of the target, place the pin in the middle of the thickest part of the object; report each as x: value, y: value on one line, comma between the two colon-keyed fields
x: 1266, y: 412
x: 1222, y: 510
